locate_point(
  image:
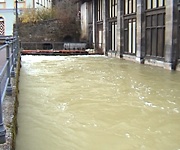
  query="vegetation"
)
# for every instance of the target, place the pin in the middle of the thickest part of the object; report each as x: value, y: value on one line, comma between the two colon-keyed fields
x: 34, y: 15
x: 64, y: 18
x: 64, y: 10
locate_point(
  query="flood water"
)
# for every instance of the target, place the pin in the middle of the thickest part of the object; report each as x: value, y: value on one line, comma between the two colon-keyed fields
x: 97, y: 103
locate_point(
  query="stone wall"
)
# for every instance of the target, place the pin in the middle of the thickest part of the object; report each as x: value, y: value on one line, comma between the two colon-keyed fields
x: 50, y: 30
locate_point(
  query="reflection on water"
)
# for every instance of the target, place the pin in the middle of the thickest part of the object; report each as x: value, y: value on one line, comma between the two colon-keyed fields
x: 97, y: 103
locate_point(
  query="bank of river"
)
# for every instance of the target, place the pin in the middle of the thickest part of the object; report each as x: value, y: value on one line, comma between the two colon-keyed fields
x: 96, y: 103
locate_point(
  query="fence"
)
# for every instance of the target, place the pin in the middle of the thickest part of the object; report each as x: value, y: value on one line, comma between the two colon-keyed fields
x: 8, y: 59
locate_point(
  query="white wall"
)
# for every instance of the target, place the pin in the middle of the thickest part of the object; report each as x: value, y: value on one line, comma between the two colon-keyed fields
x: 9, y: 19
x: 9, y: 13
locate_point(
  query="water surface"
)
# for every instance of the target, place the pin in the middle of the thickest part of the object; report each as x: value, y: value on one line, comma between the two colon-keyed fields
x: 97, y: 103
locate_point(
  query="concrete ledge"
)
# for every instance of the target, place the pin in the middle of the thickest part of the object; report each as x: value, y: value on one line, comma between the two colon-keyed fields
x: 158, y: 62
x: 113, y: 54
x: 154, y: 62
x: 167, y: 66
x: 129, y: 57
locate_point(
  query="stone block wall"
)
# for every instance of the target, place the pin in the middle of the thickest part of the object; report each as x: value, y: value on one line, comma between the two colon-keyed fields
x: 50, y: 31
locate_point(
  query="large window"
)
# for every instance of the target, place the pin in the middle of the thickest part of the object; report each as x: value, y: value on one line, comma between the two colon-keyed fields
x: 130, y: 36
x: 99, y: 5
x: 151, y: 4
x: 113, y: 36
x: 90, y: 10
x: 155, y: 28
x: 130, y: 6
x: 130, y: 26
x: 112, y: 8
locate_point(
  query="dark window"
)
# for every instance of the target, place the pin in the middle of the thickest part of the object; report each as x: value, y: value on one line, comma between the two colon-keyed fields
x: 113, y: 36
x: 129, y: 6
x: 112, y: 8
x: 155, y: 33
x: 99, y: 5
x: 130, y: 26
x: 90, y: 18
x: 151, y: 4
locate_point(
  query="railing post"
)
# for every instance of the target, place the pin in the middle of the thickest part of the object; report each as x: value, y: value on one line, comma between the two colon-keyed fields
x: 15, y: 51
x: 12, y: 59
x: 2, y: 128
x: 9, y: 86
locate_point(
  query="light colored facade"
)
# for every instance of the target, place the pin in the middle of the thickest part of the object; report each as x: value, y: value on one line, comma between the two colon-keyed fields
x: 7, y: 12
x: 147, y: 31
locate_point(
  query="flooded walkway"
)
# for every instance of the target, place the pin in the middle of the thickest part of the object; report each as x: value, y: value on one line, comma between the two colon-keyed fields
x: 97, y: 103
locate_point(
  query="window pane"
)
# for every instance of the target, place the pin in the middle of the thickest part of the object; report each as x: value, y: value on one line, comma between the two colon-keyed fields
x: 110, y: 9
x: 130, y: 34
x: 115, y: 36
x: 134, y: 36
x: 154, y: 3
x: 134, y: 6
x: 160, y: 3
x: 148, y: 4
x: 116, y: 10
x: 130, y: 6
x: 126, y: 7
x: 113, y: 40
x: 160, y: 19
x: 100, y: 39
x: 154, y: 20
x: 148, y: 21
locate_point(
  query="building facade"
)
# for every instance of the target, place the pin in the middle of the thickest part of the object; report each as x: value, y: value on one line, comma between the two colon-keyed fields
x: 146, y: 31
x: 8, y: 12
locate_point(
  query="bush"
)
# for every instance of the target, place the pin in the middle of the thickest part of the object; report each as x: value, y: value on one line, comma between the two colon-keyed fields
x: 35, y: 15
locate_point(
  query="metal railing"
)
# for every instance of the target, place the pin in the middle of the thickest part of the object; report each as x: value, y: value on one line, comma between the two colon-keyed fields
x: 53, y: 45
x: 8, y: 59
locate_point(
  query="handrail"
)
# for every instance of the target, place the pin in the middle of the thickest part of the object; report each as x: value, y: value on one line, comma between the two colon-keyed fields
x: 9, y: 49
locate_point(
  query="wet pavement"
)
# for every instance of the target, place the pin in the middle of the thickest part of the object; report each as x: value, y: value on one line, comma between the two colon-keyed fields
x: 9, y: 109
x: 2, y: 57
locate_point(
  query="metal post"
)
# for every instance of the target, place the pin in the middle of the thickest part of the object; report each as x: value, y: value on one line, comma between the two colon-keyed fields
x: 15, y: 52
x: 16, y: 32
x: 2, y: 128
x: 12, y: 59
x: 9, y: 86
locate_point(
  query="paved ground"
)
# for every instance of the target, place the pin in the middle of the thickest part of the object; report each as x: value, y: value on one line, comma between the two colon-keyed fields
x: 9, y: 110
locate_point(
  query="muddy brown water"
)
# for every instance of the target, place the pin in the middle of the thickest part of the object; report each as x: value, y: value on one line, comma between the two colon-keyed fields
x: 97, y: 103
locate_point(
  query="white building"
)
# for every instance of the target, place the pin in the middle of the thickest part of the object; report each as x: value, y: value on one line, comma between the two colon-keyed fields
x: 7, y: 12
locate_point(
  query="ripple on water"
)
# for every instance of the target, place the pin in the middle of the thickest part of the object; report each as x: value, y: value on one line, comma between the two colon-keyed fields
x: 96, y: 103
